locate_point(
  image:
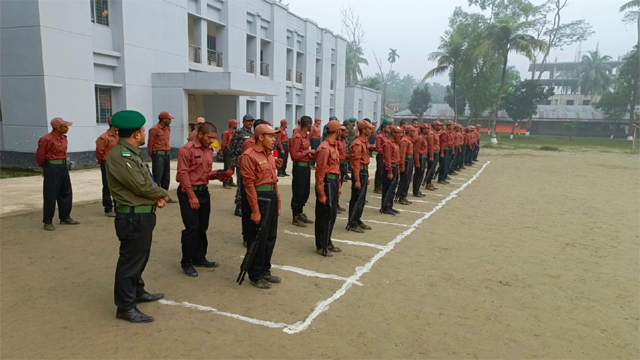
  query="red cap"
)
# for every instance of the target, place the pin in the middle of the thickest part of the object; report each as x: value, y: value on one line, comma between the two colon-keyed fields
x: 55, y: 122
x: 284, y: 122
x: 263, y: 129
x: 318, y: 119
x: 409, y: 129
x: 478, y: 125
x: 200, y: 120
x: 436, y: 123
x: 424, y: 126
x: 396, y: 129
x: 334, y: 126
x: 449, y: 122
x: 364, y: 125
x: 233, y: 122
x: 165, y: 115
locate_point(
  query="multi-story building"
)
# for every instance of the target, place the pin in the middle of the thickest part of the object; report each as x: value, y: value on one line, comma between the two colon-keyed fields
x: 83, y: 60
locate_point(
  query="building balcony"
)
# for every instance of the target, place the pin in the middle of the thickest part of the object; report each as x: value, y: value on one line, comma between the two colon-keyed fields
x: 333, y: 85
x: 214, y: 58
x: 195, y: 54
x: 289, y: 74
x: 264, y: 68
x: 317, y: 81
x: 299, y: 77
x: 251, y: 66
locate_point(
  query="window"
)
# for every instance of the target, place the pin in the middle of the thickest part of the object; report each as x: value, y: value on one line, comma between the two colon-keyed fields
x: 586, y: 102
x: 103, y: 105
x: 100, y: 12
x: 570, y: 102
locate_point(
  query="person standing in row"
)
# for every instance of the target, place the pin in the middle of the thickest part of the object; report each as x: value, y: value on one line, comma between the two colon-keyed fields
x: 296, y: 129
x: 445, y: 156
x: 104, y: 144
x: 421, y: 157
x: 282, y: 139
x: 478, y: 127
x: 359, y: 157
x: 406, y: 165
x: 301, y: 183
x: 227, y: 135
x: 258, y: 169
x: 327, y: 179
x: 381, y: 139
x: 194, y: 133
x: 391, y: 163
x: 51, y: 156
x: 195, y: 161
x: 136, y: 197
x: 160, y: 150
x: 315, y: 138
x: 342, y: 155
x: 433, y: 140
x: 372, y: 137
x: 240, y: 136
x: 451, y: 143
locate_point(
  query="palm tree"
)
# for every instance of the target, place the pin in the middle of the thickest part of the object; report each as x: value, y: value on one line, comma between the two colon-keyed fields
x: 594, y: 75
x: 504, y: 36
x: 393, y: 56
x: 633, y: 12
x: 354, y: 57
x: 448, y: 58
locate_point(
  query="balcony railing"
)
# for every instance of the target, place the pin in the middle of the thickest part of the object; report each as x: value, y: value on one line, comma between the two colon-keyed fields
x: 333, y: 85
x: 214, y: 58
x: 195, y: 54
x: 299, y: 77
x: 317, y: 81
x: 251, y: 66
x: 289, y: 74
x: 264, y: 68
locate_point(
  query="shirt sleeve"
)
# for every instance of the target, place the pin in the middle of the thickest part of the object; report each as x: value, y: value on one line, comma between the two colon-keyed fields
x: 387, y: 156
x: 183, y: 172
x: 403, y: 151
x: 443, y: 140
x: 430, y: 144
x: 151, y: 141
x: 249, y: 179
x: 41, y: 153
x: 101, y: 145
x: 321, y: 164
x: 294, y: 148
x: 356, y: 153
x: 416, y: 149
x: 131, y: 176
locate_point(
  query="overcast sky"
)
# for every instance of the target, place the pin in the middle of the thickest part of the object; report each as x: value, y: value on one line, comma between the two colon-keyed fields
x: 414, y: 28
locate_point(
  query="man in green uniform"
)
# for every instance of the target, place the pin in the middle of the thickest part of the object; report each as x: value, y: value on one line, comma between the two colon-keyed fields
x: 137, y: 197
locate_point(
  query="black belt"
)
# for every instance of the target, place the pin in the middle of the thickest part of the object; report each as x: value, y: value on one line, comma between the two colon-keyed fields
x: 160, y: 152
x: 144, y: 209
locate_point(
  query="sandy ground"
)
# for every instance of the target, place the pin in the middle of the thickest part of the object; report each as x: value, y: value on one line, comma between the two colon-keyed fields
x: 537, y: 258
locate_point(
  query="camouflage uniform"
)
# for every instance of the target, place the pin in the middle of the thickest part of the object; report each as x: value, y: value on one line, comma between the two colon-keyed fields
x: 235, y: 148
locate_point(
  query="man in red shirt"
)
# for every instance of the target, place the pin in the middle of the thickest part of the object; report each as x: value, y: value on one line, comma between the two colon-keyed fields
x: 104, y: 144
x: 195, y: 160
x: 406, y: 164
x: 445, y: 155
x: 381, y: 139
x: 227, y: 135
x: 258, y: 169
x: 315, y: 138
x: 51, y: 156
x: 301, y: 182
x: 475, y: 156
x: 391, y: 163
x: 343, y: 156
x: 421, y: 157
x: 328, y: 186
x: 160, y: 150
x: 282, y: 141
x: 433, y: 141
x: 194, y: 133
x: 359, y: 157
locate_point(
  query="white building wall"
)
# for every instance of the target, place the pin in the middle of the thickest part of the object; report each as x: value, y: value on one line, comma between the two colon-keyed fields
x: 362, y: 102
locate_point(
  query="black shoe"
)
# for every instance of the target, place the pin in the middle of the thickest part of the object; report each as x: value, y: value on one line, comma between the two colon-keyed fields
x: 147, y: 297
x: 340, y: 208
x: 285, y: 174
x: 280, y: 175
x: 69, y: 221
x: 419, y: 195
x: 205, y: 263
x: 244, y: 243
x: 355, y: 229
x: 238, y: 211
x: 395, y: 211
x: 453, y: 173
x: 388, y: 212
x: 272, y: 279
x: 190, y: 271
x: 364, y: 226
x: 134, y: 315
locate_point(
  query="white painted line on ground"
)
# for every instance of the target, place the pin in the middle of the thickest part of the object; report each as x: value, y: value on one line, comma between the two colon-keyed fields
x: 407, y: 211
x: 349, y: 242
x: 324, y: 305
x: 223, y: 313
x: 312, y: 273
x: 377, y: 222
x: 410, y: 199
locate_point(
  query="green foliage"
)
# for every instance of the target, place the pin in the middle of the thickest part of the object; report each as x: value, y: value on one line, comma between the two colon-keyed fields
x: 354, y: 58
x: 549, y: 148
x: 619, y: 101
x: 570, y: 127
x: 462, y: 99
x: 420, y: 101
x: 594, y: 75
x: 372, y: 82
x: 521, y: 102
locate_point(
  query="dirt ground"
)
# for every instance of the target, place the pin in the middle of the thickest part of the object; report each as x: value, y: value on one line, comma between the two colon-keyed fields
x: 536, y: 258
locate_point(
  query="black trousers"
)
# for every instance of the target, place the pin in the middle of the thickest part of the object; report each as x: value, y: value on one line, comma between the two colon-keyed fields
x: 226, y: 156
x: 284, y: 155
x: 56, y: 189
x: 475, y: 155
x: 443, y: 169
x: 134, y: 232
x: 405, y: 178
x: 380, y: 171
x: 389, y: 189
x: 344, y: 171
x: 196, y: 223
x: 107, y: 203
x: 418, y: 177
x: 326, y: 213
x: 261, y: 264
x: 238, y: 198
x: 161, y: 170
x: 314, y: 145
x: 358, y: 197
x: 432, y: 166
x: 301, y: 186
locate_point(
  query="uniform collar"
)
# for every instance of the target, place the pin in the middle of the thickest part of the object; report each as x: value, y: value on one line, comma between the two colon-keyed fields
x: 134, y: 149
x: 197, y: 143
x: 258, y: 150
x: 57, y: 134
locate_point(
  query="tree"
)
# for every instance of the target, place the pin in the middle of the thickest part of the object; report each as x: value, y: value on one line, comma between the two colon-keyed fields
x: 457, y: 98
x: 352, y: 28
x: 570, y: 128
x: 631, y: 16
x: 506, y: 36
x: 521, y: 102
x: 448, y: 58
x: 420, y: 101
x: 594, y: 74
x: 438, y: 92
x: 372, y: 82
x: 391, y: 58
x: 354, y: 57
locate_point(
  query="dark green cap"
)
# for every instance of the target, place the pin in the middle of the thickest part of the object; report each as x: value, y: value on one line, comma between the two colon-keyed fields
x: 385, y: 121
x: 128, y: 120
x: 352, y: 120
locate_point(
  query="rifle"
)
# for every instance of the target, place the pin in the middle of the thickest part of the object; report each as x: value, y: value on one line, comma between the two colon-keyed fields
x: 263, y: 228
x: 327, y: 207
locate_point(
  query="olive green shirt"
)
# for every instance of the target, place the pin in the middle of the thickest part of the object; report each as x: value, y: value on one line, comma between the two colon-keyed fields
x: 130, y: 182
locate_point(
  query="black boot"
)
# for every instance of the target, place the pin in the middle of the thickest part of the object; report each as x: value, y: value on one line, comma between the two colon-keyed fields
x: 238, y: 211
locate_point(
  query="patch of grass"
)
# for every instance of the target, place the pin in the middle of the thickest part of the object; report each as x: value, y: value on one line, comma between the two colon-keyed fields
x: 6, y: 173
x: 534, y: 142
x: 549, y: 148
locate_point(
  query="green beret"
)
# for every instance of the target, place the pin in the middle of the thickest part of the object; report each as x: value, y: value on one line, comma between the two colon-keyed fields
x: 352, y: 120
x: 385, y: 121
x: 128, y: 120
